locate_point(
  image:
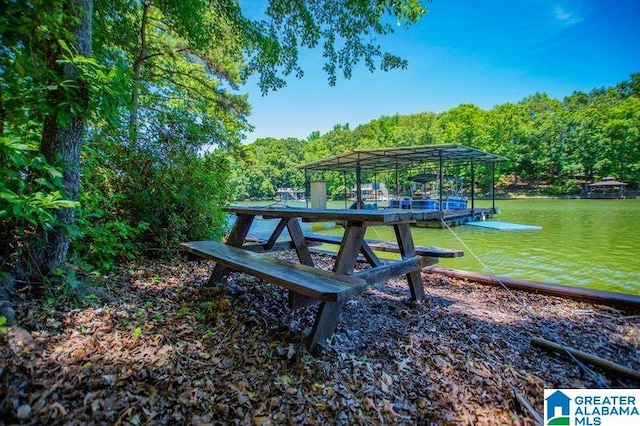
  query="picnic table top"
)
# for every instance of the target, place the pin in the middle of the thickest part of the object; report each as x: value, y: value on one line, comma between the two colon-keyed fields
x: 382, y: 215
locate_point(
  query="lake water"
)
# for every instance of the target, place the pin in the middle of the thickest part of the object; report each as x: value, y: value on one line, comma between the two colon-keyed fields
x: 582, y: 243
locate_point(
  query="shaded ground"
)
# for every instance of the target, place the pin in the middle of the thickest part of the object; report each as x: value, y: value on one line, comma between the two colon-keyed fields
x: 170, y: 351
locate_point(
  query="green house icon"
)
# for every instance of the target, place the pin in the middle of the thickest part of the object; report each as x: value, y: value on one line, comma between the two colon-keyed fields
x: 558, y: 409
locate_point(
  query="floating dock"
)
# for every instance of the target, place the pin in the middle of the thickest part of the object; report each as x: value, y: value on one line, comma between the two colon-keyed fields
x: 504, y: 226
x: 457, y: 217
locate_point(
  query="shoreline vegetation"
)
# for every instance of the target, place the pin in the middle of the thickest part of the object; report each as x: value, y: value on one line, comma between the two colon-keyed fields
x: 168, y: 349
x: 502, y: 195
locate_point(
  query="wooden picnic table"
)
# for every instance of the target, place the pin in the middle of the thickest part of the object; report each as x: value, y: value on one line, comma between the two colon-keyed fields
x: 304, y: 280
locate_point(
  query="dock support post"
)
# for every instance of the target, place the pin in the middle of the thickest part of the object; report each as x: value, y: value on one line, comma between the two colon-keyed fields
x: 307, y: 188
x: 344, y: 179
x: 440, y: 181
x: 375, y: 188
x: 493, y: 187
x: 358, y: 186
x: 473, y: 191
x: 398, y: 189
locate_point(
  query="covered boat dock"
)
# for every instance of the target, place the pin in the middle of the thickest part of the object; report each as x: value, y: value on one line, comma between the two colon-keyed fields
x: 414, y: 157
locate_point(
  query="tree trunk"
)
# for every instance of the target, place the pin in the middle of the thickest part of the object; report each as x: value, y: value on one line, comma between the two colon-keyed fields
x: 62, y: 137
x: 3, y: 114
x: 137, y: 71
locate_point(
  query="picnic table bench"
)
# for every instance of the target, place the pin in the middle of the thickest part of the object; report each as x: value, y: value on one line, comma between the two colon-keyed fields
x: 427, y: 251
x: 307, y: 283
x: 324, y: 286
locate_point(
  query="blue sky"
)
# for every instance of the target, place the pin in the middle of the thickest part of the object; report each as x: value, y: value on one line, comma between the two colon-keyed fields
x: 482, y: 52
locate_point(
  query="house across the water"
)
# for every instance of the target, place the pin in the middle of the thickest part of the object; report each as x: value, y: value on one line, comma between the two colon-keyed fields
x: 290, y: 194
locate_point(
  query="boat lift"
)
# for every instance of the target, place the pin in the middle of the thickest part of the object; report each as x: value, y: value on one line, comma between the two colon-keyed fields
x: 390, y: 159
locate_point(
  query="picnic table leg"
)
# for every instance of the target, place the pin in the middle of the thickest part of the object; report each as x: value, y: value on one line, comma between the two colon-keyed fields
x: 236, y: 239
x: 296, y: 300
x: 349, y: 249
x: 301, y: 246
x: 276, y: 233
x: 370, y: 255
x: 408, y: 249
x: 324, y: 325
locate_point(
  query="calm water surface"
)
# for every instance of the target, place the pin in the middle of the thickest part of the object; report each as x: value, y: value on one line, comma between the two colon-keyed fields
x: 583, y: 243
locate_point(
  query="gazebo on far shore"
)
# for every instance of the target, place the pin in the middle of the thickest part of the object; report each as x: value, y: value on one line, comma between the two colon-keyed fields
x: 607, y: 188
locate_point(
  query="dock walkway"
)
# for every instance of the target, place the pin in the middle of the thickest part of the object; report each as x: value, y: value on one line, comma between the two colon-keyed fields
x: 457, y: 217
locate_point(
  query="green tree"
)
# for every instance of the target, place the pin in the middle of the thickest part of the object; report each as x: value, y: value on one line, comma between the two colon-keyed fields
x: 47, y: 79
x: 160, y: 90
x: 623, y: 132
x: 585, y: 138
x: 464, y: 125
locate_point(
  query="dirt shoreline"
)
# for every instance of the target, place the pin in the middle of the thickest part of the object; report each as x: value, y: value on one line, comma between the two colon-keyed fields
x: 170, y: 350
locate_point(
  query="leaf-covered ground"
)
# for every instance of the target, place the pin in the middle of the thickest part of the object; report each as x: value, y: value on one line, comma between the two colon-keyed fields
x: 169, y: 350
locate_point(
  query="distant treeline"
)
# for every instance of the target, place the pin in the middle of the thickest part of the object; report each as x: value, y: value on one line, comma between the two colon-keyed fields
x: 553, y: 146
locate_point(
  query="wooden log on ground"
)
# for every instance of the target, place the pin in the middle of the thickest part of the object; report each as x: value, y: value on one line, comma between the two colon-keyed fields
x: 623, y: 301
x: 605, y: 364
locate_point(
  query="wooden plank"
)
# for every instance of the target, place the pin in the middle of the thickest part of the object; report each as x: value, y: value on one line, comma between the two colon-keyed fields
x: 278, y: 246
x: 407, y: 249
x: 236, y: 238
x: 240, y: 230
x: 368, y: 254
x: 323, y: 238
x: 323, y: 215
x: 260, y: 248
x: 429, y: 251
x: 306, y: 280
x: 387, y: 216
x: 334, y: 254
x: 628, y: 302
x: 612, y: 367
x: 297, y: 237
x: 296, y: 300
x: 365, y: 249
x: 324, y: 325
x: 391, y: 270
x: 276, y: 233
x: 349, y: 249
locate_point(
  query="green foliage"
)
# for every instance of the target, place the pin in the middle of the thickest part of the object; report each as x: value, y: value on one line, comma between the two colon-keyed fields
x: 146, y: 206
x: 30, y: 193
x: 276, y: 168
x: 137, y: 332
x: 147, y: 184
x: 159, y: 91
x: 568, y: 188
x: 550, y: 144
x: 24, y: 203
x: 3, y: 324
x: 347, y: 30
x: 184, y: 202
x: 102, y: 236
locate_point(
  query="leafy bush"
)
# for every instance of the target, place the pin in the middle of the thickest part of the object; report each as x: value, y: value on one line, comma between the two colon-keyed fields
x: 138, y: 204
x: 30, y: 192
x: 181, y: 201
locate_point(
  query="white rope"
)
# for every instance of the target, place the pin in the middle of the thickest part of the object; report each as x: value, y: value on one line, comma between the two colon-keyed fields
x: 597, y: 377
